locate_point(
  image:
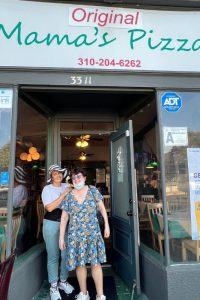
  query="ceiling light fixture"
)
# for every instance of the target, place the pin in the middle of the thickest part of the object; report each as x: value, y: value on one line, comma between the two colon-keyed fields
x: 82, y: 156
x: 31, y: 155
x: 152, y: 163
x: 149, y: 166
x: 82, y: 142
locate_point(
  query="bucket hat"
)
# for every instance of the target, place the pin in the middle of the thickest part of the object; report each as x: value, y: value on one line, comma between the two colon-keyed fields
x: 56, y: 168
x: 20, y: 175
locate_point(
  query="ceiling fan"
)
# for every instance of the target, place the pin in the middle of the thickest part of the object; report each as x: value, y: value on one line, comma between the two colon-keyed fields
x: 83, y: 140
x: 84, y: 155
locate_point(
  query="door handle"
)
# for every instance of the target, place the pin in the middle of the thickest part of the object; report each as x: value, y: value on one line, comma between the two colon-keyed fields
x: 129, y: 213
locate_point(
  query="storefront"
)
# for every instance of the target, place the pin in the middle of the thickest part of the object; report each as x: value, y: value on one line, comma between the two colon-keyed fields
x: 126, y: 80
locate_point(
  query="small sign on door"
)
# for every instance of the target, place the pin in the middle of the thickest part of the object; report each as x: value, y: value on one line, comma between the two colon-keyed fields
x: 6, y: 96
x: 175, y: 136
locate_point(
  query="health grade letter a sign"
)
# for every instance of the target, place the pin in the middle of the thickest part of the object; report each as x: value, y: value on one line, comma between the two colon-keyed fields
x: 171, y: 102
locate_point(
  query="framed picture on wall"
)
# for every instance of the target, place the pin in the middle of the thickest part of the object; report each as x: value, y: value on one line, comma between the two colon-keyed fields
x: 100, y: 175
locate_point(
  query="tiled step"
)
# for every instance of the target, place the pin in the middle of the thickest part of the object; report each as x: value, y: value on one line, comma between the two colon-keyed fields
x: 123, y: 293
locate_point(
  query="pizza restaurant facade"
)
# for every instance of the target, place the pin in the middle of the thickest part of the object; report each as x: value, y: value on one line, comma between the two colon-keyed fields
x: 70, y: 63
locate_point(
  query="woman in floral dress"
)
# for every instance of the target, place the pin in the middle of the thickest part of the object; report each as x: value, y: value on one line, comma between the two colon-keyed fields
x: 84, y: 240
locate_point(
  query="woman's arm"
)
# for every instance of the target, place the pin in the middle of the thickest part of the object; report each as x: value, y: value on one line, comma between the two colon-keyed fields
x: 105, y: 217
x: 53, y: 205
x: 63, y: 224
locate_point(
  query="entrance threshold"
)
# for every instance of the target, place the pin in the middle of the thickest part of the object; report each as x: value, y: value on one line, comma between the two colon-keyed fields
x: 123, y: 293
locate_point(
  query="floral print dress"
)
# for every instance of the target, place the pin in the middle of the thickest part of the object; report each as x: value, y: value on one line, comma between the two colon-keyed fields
x: 84, y: 242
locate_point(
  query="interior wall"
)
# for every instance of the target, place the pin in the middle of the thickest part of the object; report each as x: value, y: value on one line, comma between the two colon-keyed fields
x: 149, y: 141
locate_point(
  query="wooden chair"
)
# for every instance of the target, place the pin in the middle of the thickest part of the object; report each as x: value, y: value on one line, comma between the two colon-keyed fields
x: 6, y: 268
x: 40, y: 216
x: 3, y: 212
x: 106, y: 201
x: 190, y: 245
x: 173, y: 204
x: 16, y: 221
x: 148, y: 198
x: 153, y: 209
x: 143, y: 215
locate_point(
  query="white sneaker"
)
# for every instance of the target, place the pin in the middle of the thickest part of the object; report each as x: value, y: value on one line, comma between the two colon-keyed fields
x: 54, y: 294
x: 66, y: 287
x: 82, y: 296
x: 102, y: 297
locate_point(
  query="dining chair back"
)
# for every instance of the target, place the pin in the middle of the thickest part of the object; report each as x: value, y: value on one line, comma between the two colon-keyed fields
x: 106, y: 201
x: 148, y: 198
x: 16, y: 221
x: 6, y: 268
x: 192, y: 246
x: 173, y: 204
x: 143, y: 215
x: 3, y: 212
x: 40, y: 216
x: 154, y: 209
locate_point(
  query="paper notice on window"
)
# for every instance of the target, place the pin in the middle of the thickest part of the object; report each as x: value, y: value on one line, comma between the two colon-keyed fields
x: 6, y: 96
x: 175, y: 136
x: 193, y: 156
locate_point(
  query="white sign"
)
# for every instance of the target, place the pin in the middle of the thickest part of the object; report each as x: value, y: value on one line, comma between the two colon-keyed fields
x: 193, y: 156
x: 120, y: 164
x: 6, y: 98
x: 175, y: 136
x: 50, y: 35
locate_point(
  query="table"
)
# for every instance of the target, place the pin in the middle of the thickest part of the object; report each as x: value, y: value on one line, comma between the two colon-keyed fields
x: 179, y: 224
x: 176, y: 193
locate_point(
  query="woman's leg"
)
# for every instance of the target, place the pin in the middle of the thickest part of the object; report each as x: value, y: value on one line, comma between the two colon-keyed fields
x: 63, y: 268
x: 81, y: 273
x: 51, y: 237
x: 97, y: 276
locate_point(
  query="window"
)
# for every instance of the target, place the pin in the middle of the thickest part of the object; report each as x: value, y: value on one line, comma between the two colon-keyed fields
x: 181, y: 133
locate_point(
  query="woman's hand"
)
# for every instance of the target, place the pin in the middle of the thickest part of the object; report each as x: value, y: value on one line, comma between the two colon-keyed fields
x: 66, y: 191
x: 106, y: 231
x: 55, y: 204
x: 61, y: 244
x: 63, y: 224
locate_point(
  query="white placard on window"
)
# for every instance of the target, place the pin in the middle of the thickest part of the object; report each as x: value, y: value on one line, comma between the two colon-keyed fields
x: 175, y: 136
x: 6, y: 98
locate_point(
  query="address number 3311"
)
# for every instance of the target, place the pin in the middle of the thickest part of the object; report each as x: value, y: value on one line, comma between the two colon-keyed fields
x: 80, y: 80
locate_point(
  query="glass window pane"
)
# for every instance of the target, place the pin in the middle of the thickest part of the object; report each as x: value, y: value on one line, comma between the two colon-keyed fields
x: 29, y: 180
x: 147, y: 165
x: 181, y: 131
x: 6, y: 98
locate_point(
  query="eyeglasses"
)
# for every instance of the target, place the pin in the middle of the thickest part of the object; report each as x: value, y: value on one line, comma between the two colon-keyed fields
x: 78, y: 176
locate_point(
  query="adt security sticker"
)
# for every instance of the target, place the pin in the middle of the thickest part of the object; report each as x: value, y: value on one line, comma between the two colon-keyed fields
x: 171, y: 102
x: 4, y: 178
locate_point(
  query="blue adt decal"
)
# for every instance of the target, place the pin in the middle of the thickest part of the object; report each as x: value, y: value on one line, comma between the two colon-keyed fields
x: 4, y: 178
x: 171, y: 102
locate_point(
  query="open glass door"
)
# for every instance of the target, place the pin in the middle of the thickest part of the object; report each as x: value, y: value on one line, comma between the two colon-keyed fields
x: 124, y: 206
